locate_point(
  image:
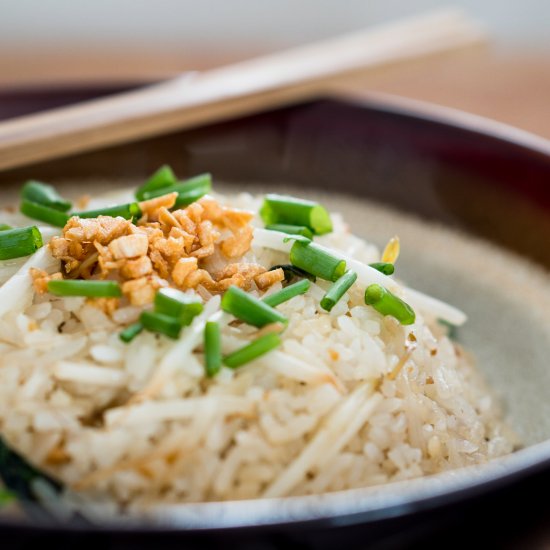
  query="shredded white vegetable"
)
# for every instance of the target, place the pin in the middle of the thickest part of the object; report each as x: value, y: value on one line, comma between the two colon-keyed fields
x: 177, y: 409
x: 16, y: 293
x: 340, y: 427
x: 89, y: 373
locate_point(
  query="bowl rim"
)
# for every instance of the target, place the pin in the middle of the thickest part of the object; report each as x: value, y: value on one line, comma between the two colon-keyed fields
x: 369, y: 504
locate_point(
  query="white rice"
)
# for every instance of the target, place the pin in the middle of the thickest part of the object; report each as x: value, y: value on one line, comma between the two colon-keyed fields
x: 325, y: 412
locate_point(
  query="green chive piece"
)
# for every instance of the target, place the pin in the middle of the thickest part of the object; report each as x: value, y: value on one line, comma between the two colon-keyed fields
x: 188, y: 191
x: 163, y: 324
x: 16, y: 243
x: 6, y: 497
x: 5, y: 227
x: 177, y: 304
x: 212, y: 348
x: 386, y: 303
x: 285, y: 294
x: 291, y: 272
x: 42, y: 193
x: 43, y: 213
x: 163, y: 177
x: 291, y: 229
x: 126, y: 211
x: 89, y: 289
x: 338, y: 289
x: 451, y: 329
x: 297, y: 238
x: 384, y: 267
x: 249, y: 309
x: 252, y: 351
x: 291, y: 210
x: 130, y: 332
x: 316, y: 260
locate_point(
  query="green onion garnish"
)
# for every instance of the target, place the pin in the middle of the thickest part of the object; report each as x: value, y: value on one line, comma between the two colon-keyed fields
x: 285, y: 294
x: 297, y: 238
x: 338, y: 289
x: 177, y: 304
x: 163, y: 324
x: 450, y: 328
x: 291, y: 229
x: 6, y: 497
x: 44, y: 213
x: 163, y: 177
x: 16, y: 243
x: 386, y: 303
x: 291, y: 272
x: 384, y: 267
x: 316, y: 260
x: 41, y: 193
x: 291, y: 210
x: 249, y: 309
x: 126, y: 211
x: 212, y: 348
x: 188, y: 191
x: 130, y: 332
x: 90, y: 289
x: 252, y: 351
x: 5, y: 227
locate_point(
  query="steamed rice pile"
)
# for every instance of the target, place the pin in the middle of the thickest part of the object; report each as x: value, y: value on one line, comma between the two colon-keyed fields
x: 350, y: 399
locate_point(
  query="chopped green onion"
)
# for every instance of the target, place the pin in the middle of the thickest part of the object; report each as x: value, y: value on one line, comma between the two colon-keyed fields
x: 316, y: 260
x: 16, y: 243
x: 297, y: 238
x: 20, y: 477
x: 163, y: 324
x: 6, y: 497
x: 41, y: 193
x: 249, y: 309
x: 384, y: 267
x: 252, y: 351
x: 163, y: 177
x: 285, y: 294
x: 90, y: 289
x: 291, y: 272
x: 338, y: 289
x: 44, y: 213
x: 130, y: 332
x: 5, y: 227
x: 291, y: 210
x: 126, y: 211
x: 188, y: 191
x: 291, y: 229
x: 212, y: 348
x: 177, y: 304
x: 386, y: 303
x: 450, y: 328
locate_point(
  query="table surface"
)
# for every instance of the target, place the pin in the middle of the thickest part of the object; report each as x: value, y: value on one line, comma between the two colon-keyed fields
x: 513, y: 88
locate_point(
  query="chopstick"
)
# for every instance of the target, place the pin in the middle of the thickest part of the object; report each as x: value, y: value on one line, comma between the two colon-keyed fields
x: 235, y: 90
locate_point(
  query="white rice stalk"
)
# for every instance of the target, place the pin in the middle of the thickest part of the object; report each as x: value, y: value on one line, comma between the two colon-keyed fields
x: 295, y: 369
x: 338, y: 429
x: 88, y: 373
x: 17, y: 292
x: 437, y: 308
x: 178, y: 409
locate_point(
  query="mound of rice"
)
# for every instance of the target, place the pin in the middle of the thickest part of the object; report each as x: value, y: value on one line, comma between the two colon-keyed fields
x: 351, y: 399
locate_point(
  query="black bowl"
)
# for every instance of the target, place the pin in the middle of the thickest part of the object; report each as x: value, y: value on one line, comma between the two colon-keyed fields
x: 485, y: 179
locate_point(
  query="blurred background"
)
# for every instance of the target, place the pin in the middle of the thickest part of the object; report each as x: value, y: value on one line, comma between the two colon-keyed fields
x: 45, y: 43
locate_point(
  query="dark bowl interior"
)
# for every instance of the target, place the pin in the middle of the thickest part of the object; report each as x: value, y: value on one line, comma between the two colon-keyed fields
x: 464, y: 173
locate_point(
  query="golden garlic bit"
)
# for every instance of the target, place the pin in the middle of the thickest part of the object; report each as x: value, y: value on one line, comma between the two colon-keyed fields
x: 164, y: 248
x: 391, y: 252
